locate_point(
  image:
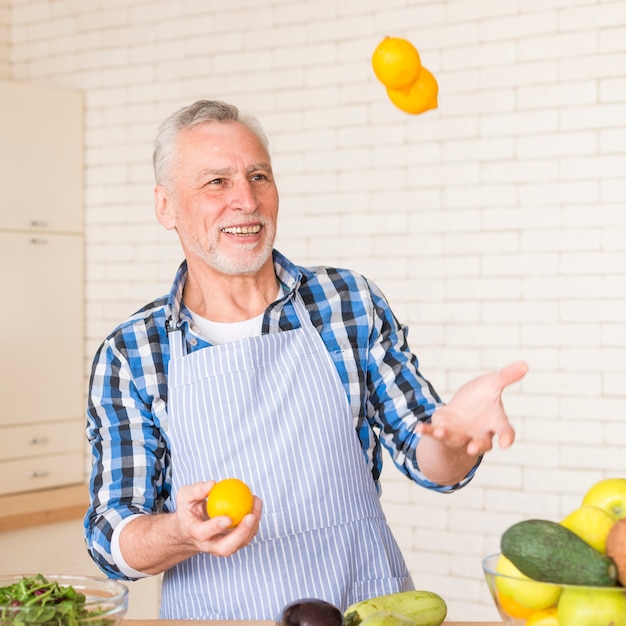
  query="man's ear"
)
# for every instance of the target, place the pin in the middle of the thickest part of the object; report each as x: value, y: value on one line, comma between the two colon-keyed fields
x: 164, y: 207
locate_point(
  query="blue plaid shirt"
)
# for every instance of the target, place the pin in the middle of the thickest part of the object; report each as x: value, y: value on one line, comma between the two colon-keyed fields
x: 127, y: 407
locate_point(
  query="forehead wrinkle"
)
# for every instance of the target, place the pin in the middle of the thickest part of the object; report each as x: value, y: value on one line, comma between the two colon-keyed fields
x: 200, y: 177
x: 262, y: 165
x: 216, y: 171
x: 225, y: 171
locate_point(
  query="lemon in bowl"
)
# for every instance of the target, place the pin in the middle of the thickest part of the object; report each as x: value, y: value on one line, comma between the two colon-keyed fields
x: 522, y: 601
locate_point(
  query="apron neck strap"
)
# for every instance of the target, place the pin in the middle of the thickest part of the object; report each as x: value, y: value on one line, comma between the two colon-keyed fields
x: 176, y: 337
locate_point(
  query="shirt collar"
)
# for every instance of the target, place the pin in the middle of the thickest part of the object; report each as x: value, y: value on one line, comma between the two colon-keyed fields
x: 287, y: 273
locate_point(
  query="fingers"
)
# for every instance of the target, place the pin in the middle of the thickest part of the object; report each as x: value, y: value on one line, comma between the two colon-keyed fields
x: 222, y: 540
x: 474, y: 441
x: 506, y: 436
x: 512, y: 373
x: 484, y: 443
x: 213, y: 536
x: 195, y: 492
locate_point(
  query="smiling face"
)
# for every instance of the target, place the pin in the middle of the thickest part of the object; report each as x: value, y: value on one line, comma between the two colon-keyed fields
x: 221, y: 198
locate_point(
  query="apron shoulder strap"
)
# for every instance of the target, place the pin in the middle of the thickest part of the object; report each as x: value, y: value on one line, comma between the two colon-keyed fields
x: 175, y: 338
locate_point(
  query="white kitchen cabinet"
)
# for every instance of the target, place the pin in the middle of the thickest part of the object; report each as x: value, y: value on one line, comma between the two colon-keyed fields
x: 41, y: 281
x: 41, y: 336
x: 40, y: 472
x: 41, y: 165
x: 34, y: 440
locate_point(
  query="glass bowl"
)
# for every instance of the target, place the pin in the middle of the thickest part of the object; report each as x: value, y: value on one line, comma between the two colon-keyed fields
x: 105, y: 601
x: 526, y: 602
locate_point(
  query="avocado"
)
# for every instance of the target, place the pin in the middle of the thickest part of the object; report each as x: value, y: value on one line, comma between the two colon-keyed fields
x: 549, y: 552
x: 310, y: 612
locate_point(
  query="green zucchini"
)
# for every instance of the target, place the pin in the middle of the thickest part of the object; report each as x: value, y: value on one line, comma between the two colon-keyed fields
x: 423, y: 608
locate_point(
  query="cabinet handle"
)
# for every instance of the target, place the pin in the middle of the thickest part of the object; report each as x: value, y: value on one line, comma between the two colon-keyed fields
x: 38, y: 241
x: 38, y: 441
x: 39, y: 474
x: 38, y: 224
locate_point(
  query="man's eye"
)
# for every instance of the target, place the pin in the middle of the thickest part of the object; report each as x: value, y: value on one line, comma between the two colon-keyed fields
x: 259, y: 177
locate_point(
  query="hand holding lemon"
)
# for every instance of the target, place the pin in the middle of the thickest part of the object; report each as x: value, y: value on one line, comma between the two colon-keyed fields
x: 410, y: 86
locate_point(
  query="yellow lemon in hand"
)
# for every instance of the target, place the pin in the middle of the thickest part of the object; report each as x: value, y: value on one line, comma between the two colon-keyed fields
x: 396, y: 63
x: 230, y: 497
x: 592, y: 524
x: 420, y: 97
x: 522, y: 589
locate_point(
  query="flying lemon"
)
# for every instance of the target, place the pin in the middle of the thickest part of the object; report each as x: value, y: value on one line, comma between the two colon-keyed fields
x: 396, y: 63
x: 398, y: 66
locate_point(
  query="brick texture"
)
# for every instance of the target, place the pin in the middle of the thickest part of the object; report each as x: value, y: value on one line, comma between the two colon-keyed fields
x: 496, y: 224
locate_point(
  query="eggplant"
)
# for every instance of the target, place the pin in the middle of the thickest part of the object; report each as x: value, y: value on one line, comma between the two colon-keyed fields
x: 310, y: 612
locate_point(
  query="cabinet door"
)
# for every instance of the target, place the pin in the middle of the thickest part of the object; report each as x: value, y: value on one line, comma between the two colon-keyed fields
x: 37, y: 440
x: 41, y: 327
x: 41, y: 163
x: 40, y: 472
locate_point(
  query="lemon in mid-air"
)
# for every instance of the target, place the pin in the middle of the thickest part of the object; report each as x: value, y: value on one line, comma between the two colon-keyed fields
x: 410, y: 86
x: 421, y: 96
x: 396, y: 63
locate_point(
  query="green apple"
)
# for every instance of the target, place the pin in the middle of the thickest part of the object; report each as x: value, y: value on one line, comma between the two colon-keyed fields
x: 608, y: 494
x: 589, y: 606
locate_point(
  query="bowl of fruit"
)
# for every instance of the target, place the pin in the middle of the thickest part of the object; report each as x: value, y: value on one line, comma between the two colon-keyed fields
x: 566, y: 573
x: 51, y: 600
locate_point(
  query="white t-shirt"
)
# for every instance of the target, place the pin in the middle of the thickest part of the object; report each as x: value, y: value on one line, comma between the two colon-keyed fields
x: 224, y: 332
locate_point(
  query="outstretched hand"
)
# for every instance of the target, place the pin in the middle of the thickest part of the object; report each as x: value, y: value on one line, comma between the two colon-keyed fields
x: 475, y: 415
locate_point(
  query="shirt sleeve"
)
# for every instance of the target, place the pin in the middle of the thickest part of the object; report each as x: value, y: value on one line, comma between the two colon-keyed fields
x: 116, y: 552
x: 398, y: 395
x: 129, y: 452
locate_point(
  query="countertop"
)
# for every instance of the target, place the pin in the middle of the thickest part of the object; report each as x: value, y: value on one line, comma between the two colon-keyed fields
x: 157, y: 622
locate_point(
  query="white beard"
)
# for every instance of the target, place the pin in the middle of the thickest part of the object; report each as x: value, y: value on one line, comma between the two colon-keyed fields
x: 250, y: 262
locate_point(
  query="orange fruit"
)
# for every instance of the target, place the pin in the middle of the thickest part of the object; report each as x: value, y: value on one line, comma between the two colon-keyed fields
x: 421, y: 96
x: 547, y: 617
x: 230, y: 497
x: 396, y: 63
x: 512, y: 608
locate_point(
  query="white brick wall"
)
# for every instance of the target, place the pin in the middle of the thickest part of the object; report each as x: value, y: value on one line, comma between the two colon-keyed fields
x: 496, y: 224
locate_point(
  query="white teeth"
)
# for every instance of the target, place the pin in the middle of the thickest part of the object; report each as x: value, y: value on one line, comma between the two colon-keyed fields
x: 242, y: 230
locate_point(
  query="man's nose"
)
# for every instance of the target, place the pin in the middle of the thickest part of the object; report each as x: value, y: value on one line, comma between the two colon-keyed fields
x: 243, y: 197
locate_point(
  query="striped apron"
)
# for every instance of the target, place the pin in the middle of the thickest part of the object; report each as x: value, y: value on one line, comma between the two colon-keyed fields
x: 272, y: 411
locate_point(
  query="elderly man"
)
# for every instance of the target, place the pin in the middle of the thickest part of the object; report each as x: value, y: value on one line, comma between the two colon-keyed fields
x: 289, y: 378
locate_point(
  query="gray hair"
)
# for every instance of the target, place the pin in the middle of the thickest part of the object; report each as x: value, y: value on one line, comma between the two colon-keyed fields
x: 197, y: 113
